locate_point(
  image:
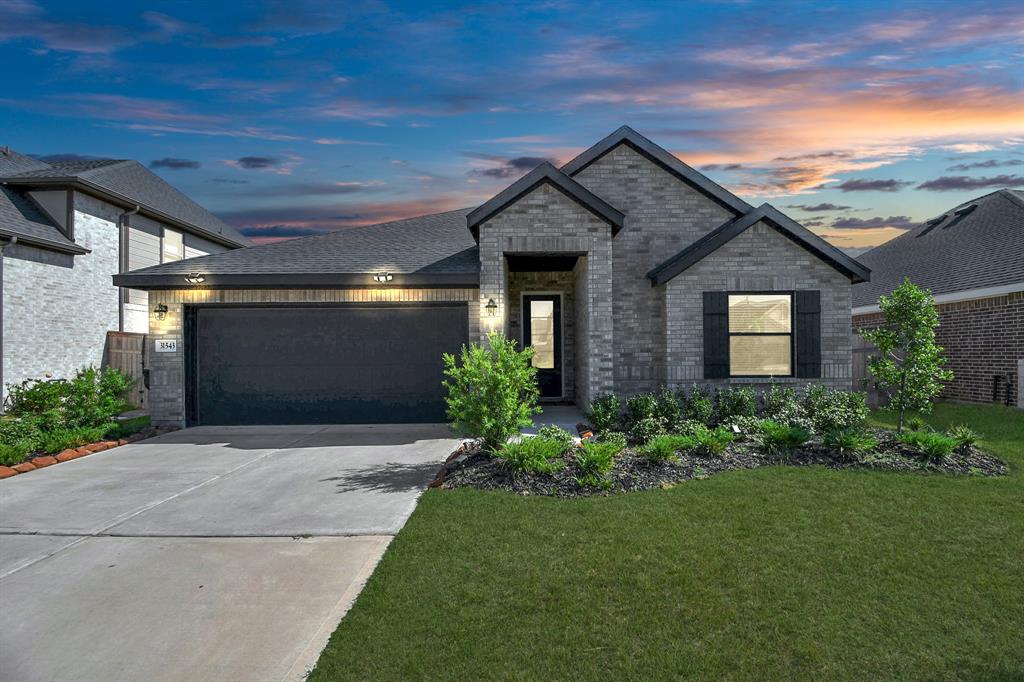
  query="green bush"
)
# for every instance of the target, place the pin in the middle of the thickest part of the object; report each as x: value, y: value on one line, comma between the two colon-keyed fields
x: 687, y: 427
x: 554, y: 432
x: 63, y: 438
x: 850, y: 443
x: 646, y: 429
x: 933, y: 446
x: 917, y: 423
x: 91, y: 398
x: 748, y: 426
x: 641, y: 406
x: 605, y: 413
x: 614, y: 437
x: 594, y: 461
x: 669, y: 408
x: 779, y: 440
x: 712, y: 442
x: 533, y: 455
x: 126, y: 427
x: 829, y: 408
x: 733, y: 402
x: 964, y: 436
x: 783, y: 405
x: 664, y: 448
x: 699, y: 406
x: 23, y: 429
x: 492, y: 390
x: 12, y: 453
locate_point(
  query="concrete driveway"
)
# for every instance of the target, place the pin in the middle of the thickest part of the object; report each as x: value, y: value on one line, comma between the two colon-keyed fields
x: 214, y: 553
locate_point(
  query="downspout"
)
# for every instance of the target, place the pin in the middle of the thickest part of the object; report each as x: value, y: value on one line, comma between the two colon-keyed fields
x: 3, y: 246
x: 122, y: 261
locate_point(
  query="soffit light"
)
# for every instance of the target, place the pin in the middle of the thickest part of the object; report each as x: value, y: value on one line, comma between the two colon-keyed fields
x: 195, y: 278
x: 383, y: 277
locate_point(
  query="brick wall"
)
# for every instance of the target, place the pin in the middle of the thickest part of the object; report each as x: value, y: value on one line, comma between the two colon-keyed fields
x: 664, y: 215
x: 759, y: 259
x: 545, y: 221
x: 564, y: 283
x: 57, y: 307
x: 167, y: 370
x: 981, y: 338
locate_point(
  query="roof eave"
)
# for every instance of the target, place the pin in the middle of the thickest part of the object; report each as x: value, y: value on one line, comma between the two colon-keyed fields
x: 119, y: 199
x: 544, y: 173
x: 47, y: 244
x: 411, y: 280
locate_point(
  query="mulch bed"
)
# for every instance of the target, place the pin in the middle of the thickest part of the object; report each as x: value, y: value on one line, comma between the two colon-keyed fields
x: 469, y: 466
x: 40, y: 461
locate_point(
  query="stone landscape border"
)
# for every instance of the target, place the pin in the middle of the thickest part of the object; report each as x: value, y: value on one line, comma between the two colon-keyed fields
x: 42, y: 461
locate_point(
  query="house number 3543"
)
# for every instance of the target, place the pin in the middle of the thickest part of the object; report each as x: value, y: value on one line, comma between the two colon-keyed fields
x: 166, y: 345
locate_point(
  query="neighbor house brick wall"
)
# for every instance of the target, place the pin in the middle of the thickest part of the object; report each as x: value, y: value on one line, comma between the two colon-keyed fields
x: 663, y: 216
x: 759, y: 259
x: 980, y: 338
x: 545, y: 221
x: 564, y: 283
x: 58, y: 308
x: 167, y: 370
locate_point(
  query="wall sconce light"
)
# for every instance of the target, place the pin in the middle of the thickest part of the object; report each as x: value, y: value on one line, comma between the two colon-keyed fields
x: 383, y: 277
x: 492, y: 308
x: 160, y: 311
x: 195, y: 278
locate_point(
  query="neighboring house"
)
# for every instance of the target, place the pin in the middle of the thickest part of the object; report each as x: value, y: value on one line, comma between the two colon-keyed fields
x: 972, y: 259
x: 625, y: 269
x: 65, y: 229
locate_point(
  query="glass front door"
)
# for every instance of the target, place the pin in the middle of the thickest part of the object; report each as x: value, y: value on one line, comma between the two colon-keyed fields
x: 542, y: 329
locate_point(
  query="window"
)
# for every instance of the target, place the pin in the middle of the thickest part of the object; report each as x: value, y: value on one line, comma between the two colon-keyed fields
x: 760, y: 335
x: 174, y: 248
x: 542, y: 333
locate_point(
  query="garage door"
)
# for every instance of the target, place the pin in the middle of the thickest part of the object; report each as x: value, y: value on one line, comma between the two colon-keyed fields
x: 320, y: 365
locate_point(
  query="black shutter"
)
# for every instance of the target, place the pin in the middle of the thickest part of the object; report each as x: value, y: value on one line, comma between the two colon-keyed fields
x: 808, y: 334
x: 716, y: 335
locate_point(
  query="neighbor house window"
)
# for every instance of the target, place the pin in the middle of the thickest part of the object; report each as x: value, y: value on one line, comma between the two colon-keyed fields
x: 760, y: 335
x: 174, y: 248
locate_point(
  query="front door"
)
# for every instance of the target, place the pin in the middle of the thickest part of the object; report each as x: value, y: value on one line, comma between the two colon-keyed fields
x: 542, y: 329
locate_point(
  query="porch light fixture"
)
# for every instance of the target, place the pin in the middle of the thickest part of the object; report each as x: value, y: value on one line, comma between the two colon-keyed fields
x: 195, y: 278
x: 492, y: 308
x: 383, y: 277
x: 160, y: 311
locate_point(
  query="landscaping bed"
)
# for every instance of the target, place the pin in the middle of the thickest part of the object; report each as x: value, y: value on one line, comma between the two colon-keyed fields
x: 470, y: 466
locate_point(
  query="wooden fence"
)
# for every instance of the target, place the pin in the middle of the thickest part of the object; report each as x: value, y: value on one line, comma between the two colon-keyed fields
x: 862, y: 350
x: 128, y: 352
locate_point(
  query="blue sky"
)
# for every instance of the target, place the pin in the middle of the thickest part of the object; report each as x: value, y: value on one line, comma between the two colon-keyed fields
x: 857, y: 118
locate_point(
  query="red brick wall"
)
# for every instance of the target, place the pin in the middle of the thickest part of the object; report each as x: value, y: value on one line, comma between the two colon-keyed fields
x: 981, y: 338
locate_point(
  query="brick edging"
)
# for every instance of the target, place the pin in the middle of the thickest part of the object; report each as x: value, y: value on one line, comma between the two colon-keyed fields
x: 42, y: 461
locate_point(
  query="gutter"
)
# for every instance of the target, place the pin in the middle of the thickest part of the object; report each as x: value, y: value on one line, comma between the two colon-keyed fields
x: 73, y: 249
x: 955, y: 297
x: 125, y: 202
x: 299, y: 281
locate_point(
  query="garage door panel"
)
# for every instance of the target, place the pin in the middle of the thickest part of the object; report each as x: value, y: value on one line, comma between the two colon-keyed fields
x: 324, y: 364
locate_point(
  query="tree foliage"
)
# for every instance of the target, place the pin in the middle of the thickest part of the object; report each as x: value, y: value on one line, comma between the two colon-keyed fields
x: 909, y: 364
x: 492, y: 390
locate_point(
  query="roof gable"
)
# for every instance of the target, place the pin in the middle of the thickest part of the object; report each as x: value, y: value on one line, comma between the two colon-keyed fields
x: 710, y: 242
x: 663, y: 158
x: 545, y: 173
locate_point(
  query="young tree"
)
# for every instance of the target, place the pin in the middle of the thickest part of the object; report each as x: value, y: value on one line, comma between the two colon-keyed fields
x: 909, y: 366
x: 492, y: 390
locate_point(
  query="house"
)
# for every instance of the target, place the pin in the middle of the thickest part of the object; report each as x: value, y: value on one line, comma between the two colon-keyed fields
x: 971, y: 257
x: 625, y: 269
x: 65, y: 229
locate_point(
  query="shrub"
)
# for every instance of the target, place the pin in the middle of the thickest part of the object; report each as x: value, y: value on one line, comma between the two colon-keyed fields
x: 735, y: 401
x: 126, y: 427
x: 534, y: 455
x: 780, y: 439
x: 91, y: 398
x: 613, y: 437
x: 712, y: 442
x: 849, y: 443
x: 699, y: 406
x: 687, y: 427
x: 646, y: 429
x: 829, y: 408
x: 669, y: 408
x: 63, y: 438
x: 664, y: 448
x: 934, y: 446
x: 782, y: 405
x: 964, y: 436
x: 594, y: 461
x: 641, y: 406
x: 20, y: 430
x: 36, y: 397
x: 492, y: 390
x: 556, y: 433
x: 605, y: 412
x: 12, y: 453
x: 748, y: 426
x: 916, y: 423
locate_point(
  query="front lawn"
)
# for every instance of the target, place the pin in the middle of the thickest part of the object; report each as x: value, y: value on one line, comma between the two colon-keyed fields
x: 770, y: 573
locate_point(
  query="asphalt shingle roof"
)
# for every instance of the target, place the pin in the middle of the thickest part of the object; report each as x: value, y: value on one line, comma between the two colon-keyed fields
x: 127, y: 178
x: 980, y: 248
x: 20, y: 217
x: 438, y: 244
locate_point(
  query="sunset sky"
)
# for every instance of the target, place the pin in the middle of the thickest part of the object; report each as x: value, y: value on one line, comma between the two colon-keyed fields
x: 858, y: 119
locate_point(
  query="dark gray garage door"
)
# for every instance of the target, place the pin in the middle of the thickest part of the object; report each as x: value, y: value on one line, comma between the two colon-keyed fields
x: 320, y: 365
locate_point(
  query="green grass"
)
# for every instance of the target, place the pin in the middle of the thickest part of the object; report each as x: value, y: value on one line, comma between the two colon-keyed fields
x: 774, y: 573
